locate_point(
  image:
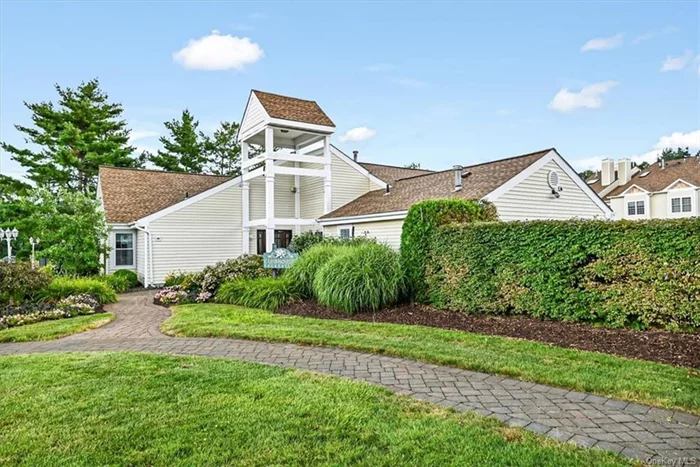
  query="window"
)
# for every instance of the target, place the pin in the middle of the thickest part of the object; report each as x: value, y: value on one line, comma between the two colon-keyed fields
x: 635, y: 208
x: 345, y: 232
x: 681, y: 204
x: 124, y: 249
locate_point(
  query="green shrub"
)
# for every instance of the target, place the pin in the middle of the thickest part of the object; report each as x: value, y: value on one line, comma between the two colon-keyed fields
x: 266, y: 293
x: 63, y: 287
x: 130, y: 276
x: 119, y: 284
x: 307, y: 240
x: 211, y: 277
x: 421, y: 223
x: 361, y: 278
x: 640, y: 274
x: 19, y: 281
x: 303, y: 271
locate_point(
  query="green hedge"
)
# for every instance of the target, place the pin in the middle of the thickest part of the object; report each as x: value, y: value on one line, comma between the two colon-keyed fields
x: 640, y: 274
x: 63, y: 287
x: 421, y: 223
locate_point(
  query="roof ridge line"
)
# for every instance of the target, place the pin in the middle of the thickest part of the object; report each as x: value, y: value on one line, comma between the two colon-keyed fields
x: 136, y: 169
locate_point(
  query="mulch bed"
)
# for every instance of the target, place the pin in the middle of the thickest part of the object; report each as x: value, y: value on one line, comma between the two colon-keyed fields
x: 655, y: 345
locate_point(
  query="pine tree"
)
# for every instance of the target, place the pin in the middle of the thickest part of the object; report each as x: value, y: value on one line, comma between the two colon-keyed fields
x: 73, y: 139
x: 183, y: 150
x: 222, y: 151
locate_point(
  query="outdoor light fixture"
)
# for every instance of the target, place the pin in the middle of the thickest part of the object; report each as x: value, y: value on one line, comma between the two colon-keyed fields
x: 33, y: 241
x: 9, y: 236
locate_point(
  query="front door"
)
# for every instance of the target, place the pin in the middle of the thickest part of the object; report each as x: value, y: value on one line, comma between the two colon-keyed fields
x: 261, y: 241
x: 283, y: 238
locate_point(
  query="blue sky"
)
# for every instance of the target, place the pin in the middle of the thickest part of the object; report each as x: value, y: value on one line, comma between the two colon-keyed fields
x: 434, y: 83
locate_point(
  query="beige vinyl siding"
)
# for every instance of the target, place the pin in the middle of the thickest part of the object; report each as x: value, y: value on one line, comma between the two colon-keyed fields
x: 312, y: 193
x: 254, y: 119
x: 198, y: 235
x: 347, y: 183
x: 386, y: 232
x: 532, y: 199
x: 618, y: 206
x: 659, y: 206
x: 257, y: 198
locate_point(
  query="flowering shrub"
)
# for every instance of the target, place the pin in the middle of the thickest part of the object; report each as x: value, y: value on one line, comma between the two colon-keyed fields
x: 203, y: 296
x: 19, y: 280
x: 74, y: 305
x: 171, y: 296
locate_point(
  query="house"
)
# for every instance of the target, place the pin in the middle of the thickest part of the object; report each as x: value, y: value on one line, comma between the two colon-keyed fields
x: 665, y: 190
x: 161, y: 221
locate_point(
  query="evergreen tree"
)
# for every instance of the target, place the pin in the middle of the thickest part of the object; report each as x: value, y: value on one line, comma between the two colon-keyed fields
x: 72, y: 139
x: 222, y: 151
x: 183, y: 150
x: 669, y: 154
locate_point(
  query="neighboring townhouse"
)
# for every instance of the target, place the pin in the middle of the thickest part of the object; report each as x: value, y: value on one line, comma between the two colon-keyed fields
x: 163, y: 221
x: 665, y: 190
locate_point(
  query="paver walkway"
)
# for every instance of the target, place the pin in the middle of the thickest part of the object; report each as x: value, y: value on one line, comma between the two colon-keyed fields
x: 588, y: 420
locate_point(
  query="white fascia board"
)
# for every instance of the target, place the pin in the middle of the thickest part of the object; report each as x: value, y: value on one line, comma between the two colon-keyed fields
x: 690, y: 185
x: 284, y: 170
x: 259, y: 172
x: 258, y: 127
x: 253, y: 161
x: 563, y: 165
x: 292, y: 124
x: 381, y: 216
x: 120, y: 225
x: 144, y: 221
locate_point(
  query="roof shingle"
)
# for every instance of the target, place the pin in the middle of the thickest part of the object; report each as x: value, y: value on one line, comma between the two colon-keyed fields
x: 390, y: 173
x: 658, y: 179
x: 478, y: 181
x: 293, y: 109
x: 131, y: 194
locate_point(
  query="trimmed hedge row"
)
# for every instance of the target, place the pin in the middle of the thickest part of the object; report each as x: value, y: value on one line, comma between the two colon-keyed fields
x: 422, y: 221
x: 640, y: 274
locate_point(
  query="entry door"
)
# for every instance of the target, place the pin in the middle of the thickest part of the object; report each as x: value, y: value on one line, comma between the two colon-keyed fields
x: 261, y: 241
x: 283, y: 238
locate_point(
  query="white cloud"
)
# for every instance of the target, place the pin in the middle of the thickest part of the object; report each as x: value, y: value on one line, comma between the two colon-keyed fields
x: 360, y: 133
x: 652, y: 35
x: 603, y: 43
x: 590, y: 97
x: 409, y: 82
x: 219, y: 52
x: 142, y: 134
x: 677, y: 139
x: 379, y: 67
x: 677, y: 63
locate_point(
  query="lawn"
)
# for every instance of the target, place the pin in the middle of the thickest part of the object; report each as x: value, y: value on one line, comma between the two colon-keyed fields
x: 143, y: 409
x: 53, y: 329
x: 632, y: 380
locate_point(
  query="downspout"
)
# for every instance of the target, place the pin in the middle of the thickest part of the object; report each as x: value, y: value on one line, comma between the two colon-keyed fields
x: 147, y: 255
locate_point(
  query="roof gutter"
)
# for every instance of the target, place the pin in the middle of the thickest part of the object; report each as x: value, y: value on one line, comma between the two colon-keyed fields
x: 380, y: 216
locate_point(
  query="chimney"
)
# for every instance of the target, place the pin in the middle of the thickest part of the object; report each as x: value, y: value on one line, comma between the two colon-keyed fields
x: 607, y: 172
x: 458, y: 176
x: 624, y: 171
x: 354, y: 155
x: 662, y: 162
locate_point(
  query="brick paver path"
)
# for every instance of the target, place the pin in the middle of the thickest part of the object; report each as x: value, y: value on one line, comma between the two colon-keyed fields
x: 588, y: 420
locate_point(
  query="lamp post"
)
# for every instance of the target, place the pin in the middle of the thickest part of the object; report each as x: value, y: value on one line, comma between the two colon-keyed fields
x: 34, y: 242
x: 9, y: 236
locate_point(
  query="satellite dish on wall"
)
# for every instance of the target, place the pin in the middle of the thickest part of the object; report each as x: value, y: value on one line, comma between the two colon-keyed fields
x: 554, y: 181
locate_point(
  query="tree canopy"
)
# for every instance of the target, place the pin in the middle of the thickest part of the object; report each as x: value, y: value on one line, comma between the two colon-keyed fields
x: 69, y: 141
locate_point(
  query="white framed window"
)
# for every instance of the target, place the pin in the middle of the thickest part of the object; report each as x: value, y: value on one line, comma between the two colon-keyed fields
x: 345, y: 232
x: 681, y: 204
x: 123, y: 249
x: 636, y: 208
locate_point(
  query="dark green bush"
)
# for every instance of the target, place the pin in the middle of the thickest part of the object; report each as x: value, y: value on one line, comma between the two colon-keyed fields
x: 119, y: 284
x: 303, y: 271
x: 130, y: 276
x: 63, y: 287
x: 640, y: 274
x: 360, y: 278
x: 18, y: 281
x: 266, y: 293
x: 420, y: 224
x: 307, y: 240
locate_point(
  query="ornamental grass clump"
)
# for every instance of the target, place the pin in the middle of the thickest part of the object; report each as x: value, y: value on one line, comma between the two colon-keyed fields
x: 303, y: 271
x: 266, y: 293
x: 63, y: 287
x: 361, y: 278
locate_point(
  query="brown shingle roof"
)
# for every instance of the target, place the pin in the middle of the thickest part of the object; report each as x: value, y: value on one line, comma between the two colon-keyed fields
x: 658, y: 178
x: 291, y: 108
x: 390, y: 173
x: 478, y: 181
x: 130, y: 194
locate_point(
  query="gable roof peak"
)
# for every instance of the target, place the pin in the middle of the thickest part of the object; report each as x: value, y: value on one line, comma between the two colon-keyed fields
x: 292, y: 108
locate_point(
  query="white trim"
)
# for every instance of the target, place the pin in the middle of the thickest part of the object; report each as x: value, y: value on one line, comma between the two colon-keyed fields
x: 284, y: 170
x: 345, y: 227
x: 259, y: 172
x: 689, y: 187
x: 293, y: 124
x: 280, y: 156
x: 247, y: 162
x: 349, y: 161
x: 147, y: 254
x: 680, y: 194
x: 644, y: 199
x: 381, y: 216
x: 552, y: 155
x: 144, y: 221
x: 629, y: 188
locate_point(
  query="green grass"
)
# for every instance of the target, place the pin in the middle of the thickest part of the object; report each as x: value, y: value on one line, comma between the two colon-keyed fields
x: 632, y: 380
x: 140, y: 409
x: 53, y: 329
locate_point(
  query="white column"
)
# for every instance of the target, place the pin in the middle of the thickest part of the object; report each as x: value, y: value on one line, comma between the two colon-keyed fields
x: 297, y: 198
x: 245, y: 203
x: 327, y: 194
x: 269, y: 189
